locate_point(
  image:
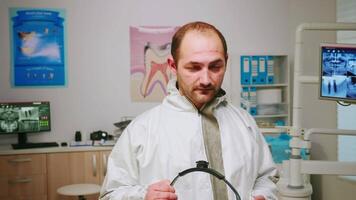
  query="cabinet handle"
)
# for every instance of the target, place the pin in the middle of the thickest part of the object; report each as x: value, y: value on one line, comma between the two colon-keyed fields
x: 19, y: 160
x: 20, y: 180
x: 105, y: 164
x: 94, y: 165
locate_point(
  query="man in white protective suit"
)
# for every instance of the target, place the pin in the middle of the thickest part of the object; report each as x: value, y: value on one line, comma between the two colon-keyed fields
x: 194, y: 122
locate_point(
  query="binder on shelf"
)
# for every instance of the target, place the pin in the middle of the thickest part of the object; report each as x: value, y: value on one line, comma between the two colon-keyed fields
x: 244, y: 93
x: 245, y: 70
x: 244, y: 97
x: 254, y: 69
x: 253, y: 100
x: 270, y: 70
x: 265, y: 71
x: 262, y: 71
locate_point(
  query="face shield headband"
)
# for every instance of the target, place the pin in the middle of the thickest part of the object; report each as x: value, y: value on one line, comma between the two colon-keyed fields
x: 202, y: 166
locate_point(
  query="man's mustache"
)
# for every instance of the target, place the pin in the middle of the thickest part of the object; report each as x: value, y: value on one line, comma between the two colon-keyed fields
x: 204, y: 88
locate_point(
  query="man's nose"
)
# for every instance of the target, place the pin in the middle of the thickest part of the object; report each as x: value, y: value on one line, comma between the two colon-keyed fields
x: 205, y: 78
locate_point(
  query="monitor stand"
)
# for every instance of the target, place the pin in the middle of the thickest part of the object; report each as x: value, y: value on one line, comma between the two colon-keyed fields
x: 21, y: 141
x: 23, y: 144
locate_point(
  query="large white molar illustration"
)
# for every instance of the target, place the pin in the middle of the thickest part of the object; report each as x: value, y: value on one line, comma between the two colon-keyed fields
x: 156, y: 67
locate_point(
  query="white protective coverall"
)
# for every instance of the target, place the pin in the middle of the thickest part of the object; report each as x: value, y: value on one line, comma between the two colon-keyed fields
x: 168, y: 139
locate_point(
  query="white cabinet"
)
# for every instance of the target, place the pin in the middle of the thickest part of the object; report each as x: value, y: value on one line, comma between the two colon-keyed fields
x: 265, y: 90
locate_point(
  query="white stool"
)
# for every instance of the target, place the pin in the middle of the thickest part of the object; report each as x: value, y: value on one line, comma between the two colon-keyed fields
x: 79, y: 190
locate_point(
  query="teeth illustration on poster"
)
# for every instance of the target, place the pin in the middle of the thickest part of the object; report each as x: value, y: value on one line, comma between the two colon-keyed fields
x: 38, y: 47
x: 150, y: 48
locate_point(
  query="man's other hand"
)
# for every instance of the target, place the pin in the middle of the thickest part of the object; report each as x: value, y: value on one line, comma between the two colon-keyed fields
x: 259, y: 197
x: 161, y: 190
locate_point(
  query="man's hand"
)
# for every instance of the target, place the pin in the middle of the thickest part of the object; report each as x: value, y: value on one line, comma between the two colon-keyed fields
x: 161, y: 190
x: 259, y: 197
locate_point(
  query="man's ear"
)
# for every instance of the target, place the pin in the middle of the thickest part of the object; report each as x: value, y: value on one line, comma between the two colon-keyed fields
x: 226, y: 59
x: 172, y: 64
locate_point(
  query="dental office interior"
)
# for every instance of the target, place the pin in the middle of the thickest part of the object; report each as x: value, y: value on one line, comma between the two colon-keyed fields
x: 96, y: 98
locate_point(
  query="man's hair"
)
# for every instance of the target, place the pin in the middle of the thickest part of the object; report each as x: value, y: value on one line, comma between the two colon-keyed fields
x: 193, y: 26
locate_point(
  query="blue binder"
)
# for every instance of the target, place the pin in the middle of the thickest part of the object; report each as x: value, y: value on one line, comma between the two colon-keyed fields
x: 253, y: 100
x: 245, y: 93
x: 245, y: 70
x: 254, y: 69
x: 262, y: 71
x: 270, y: 70
x: 244, y: 97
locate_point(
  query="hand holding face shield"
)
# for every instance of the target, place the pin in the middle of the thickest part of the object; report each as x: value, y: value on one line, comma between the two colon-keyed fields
x: 202, y: 166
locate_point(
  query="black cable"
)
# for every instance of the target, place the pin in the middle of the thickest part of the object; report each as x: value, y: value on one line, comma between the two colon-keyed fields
x: 202, y: 166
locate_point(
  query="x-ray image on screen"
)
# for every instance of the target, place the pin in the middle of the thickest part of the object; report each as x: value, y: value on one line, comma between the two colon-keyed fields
x: 338, y: 72
x: 26, y: 117
x: 19, y: 119
x: 9, y: 119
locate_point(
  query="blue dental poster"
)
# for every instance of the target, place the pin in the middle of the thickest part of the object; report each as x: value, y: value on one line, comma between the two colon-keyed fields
x: 38, y: 47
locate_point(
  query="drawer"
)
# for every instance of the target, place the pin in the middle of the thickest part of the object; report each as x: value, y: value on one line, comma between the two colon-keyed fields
x: 25, y: 198
x: 23, y: 186
x: 23, y: 165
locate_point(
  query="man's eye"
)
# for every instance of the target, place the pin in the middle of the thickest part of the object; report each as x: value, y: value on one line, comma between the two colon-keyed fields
x: 194, y: 68
x: 215, y: 67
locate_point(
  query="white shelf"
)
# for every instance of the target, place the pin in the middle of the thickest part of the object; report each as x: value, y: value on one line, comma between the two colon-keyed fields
x: 268, y: 104
x: 266, y: 85
x: 265, y: 104
x: 268, y: 118
x: 271, y: 130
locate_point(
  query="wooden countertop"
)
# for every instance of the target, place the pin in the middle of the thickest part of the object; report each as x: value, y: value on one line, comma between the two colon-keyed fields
x: 8, y: 150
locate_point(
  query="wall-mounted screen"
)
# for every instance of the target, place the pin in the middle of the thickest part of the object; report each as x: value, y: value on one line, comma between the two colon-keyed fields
x: 338, y: 72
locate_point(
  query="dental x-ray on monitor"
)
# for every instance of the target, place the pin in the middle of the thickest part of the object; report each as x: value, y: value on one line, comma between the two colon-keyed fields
x: 338, y: 72
x: 24, y: 117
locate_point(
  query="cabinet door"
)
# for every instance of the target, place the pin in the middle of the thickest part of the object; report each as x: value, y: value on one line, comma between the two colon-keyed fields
x: 92, y: 167
x: 59, y: 173
x: 104, y: 155
x: 96, y: 166
x: 71, y: 168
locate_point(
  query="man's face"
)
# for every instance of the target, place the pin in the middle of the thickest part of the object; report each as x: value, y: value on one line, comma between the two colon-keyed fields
x: 201, y: 66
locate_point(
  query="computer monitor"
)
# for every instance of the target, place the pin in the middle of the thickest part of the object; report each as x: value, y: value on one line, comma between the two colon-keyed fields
x: 338, y: 72
x: 24, y: 117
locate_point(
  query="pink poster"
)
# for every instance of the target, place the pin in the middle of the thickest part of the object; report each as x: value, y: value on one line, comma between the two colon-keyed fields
x: 150, y: 48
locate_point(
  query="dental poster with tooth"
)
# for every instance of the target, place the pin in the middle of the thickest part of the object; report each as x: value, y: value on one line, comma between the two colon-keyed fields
x: 38, y: 47
x: 150, y: 73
